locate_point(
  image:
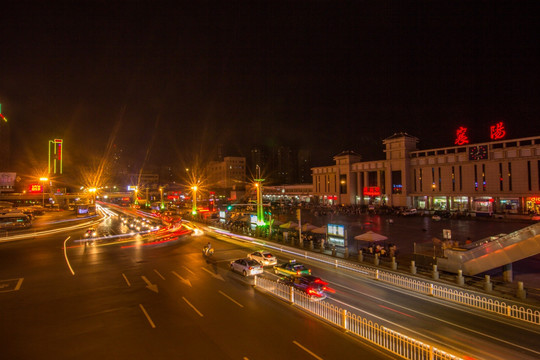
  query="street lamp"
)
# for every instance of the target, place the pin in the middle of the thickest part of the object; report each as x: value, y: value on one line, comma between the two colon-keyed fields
x: 93, y: 192
x: 135, y: 201
x: 43, y: 180
x: 161, y: 194
x: 194, y: 207
x: 258, y: 185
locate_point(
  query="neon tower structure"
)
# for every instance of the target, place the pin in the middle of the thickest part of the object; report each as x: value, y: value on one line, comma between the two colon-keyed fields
x: 55, y: 156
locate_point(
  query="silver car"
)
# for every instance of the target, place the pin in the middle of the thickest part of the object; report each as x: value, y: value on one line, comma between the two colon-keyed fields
x: 247, y: 267
x: 263, y: 257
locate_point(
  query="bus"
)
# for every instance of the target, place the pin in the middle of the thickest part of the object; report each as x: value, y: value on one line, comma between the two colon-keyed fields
x: 15, y: 221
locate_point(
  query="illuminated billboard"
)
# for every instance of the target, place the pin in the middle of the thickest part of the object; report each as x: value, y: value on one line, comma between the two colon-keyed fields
x: 35, y: 188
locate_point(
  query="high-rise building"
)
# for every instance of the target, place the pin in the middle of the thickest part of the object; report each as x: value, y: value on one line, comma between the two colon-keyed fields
x: 5, y: 158
x: 304, y: 167
x: 56, y: 151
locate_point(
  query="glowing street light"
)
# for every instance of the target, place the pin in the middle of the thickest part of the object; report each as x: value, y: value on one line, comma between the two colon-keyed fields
x: 161, y: 194
x: 194, y: 207
x: 93, y: 192
x: 135, y: 192
x: 43, y: 180
x: 258, y: 185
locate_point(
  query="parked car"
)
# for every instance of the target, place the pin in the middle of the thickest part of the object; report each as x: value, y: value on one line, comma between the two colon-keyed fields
x: 263, y: 257
x: 246, y: 267
x: 291, y: 268
x: 409, y: 212
x: 313, y: 286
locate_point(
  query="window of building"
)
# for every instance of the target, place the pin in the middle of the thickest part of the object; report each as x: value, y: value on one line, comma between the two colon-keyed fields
x: 432, y: 179
x: 509, y: 176
x: 475, y: 178
x: 529, y: 174
x: 500, y: 177
x: 420, y: 178
x: 483, y: 177
x: 343, y: 184
x: 397, y: 185
x: 440, y: 180
x: 460, y: 179
x: 453, y: 180
x: 414, y: 170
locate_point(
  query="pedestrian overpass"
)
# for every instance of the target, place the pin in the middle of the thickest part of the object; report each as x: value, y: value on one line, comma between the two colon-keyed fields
x: 492, y: 252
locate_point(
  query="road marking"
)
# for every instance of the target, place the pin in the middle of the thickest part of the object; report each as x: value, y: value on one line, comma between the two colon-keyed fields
x: 19, y: 283
x: 161, y: 276
x: 307, y: 350
x: 10, y: 285
x: 147, y: 316
x: 65, y: 255
x: 230, y: 298
x: 125, y: 278
x: 193, y: 307
x: 185, y: 281
x: 185, y: 267
x: 217, y: 276
x: 149, y: 285
x: 399, y: 312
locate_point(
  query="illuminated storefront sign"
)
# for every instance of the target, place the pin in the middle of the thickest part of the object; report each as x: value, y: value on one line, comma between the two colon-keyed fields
x: 497, y: 131
x: 461, y: 136
x: 372, y: 191
x: 34, y: 188
x: 535, y: 199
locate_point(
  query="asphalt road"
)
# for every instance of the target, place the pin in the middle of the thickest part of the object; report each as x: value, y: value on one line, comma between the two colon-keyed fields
x: 129, y: 300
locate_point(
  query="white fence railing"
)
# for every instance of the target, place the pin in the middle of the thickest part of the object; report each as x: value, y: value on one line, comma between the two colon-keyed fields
x: 392, y: 341
x: 460, y: 296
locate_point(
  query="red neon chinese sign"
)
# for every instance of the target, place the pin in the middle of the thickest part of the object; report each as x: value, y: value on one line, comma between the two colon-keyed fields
x: 535, y: 199
x: 497, y: 131
x: 372, y: 191
x: 461, y: 136
x: 34, y: 188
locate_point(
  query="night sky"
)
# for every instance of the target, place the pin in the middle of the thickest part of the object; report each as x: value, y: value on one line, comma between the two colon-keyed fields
x: 169, y: 83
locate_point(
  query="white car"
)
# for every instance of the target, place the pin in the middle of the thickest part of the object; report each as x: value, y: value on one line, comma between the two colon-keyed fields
x: 263, y: 257
x: 247, y: 267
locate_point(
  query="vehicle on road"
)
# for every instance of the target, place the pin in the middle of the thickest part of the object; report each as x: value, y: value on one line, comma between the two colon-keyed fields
x: 247, y: 267
x: 12, y: 220
x: 208, y: 251
x: 90, y: 233
x: 291, y: 268
x: 263, y: 257
x: 313, y: 286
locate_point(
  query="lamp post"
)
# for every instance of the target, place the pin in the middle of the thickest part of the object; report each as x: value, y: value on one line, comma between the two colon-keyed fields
x: 93, y: 192
x: 194, y: 207
x: 161, y: 194
x: 258, y: 185
x: 135, y: 200
x: 43, y: 180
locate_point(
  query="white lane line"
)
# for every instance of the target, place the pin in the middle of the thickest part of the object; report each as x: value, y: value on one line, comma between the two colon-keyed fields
x: 161, y: 276
x: 147, y: 316
x: 65, y: 255
x: 307, y: 350
x: 230, y: 298
x: 125, y: 278
x: 217, y: 276
x: 187, y: 269
x: 19, y: 283
x: 193, y: 307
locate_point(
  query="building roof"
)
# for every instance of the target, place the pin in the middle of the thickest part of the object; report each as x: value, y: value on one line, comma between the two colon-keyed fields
x: 399, y: 135
x: 347, y: 152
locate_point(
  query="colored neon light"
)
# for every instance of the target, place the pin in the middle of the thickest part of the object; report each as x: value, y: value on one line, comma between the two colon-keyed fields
x: 372, y: 191
x: 461, y: 136
x: 497, y: 131
x: 35, y: 188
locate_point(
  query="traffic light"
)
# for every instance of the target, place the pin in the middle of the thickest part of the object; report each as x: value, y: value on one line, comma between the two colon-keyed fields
x: 298, y: 214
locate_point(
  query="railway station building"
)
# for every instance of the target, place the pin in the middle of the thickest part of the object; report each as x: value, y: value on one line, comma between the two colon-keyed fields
x: 496, y: 177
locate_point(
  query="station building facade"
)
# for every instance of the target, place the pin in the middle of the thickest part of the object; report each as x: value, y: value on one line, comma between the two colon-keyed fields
x: 483, y: 178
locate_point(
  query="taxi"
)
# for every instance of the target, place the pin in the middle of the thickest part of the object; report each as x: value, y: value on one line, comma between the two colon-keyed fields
x: 292, y: 268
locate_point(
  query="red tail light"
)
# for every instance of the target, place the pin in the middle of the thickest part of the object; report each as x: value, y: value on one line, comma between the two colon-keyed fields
x: 298, y: 272
x: 250, y: 268
x: 313, y: 292
x: 319, y: 281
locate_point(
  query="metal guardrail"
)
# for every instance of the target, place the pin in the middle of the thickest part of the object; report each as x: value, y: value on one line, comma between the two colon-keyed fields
x: 460, y: 296
x: 392, y: 341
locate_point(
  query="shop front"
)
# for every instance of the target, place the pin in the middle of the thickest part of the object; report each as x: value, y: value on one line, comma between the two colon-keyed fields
x: 532, y: 205
x: 483, y: 206
x: 509, y: 205
x: 440, y: 203
x: 459, y: 203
